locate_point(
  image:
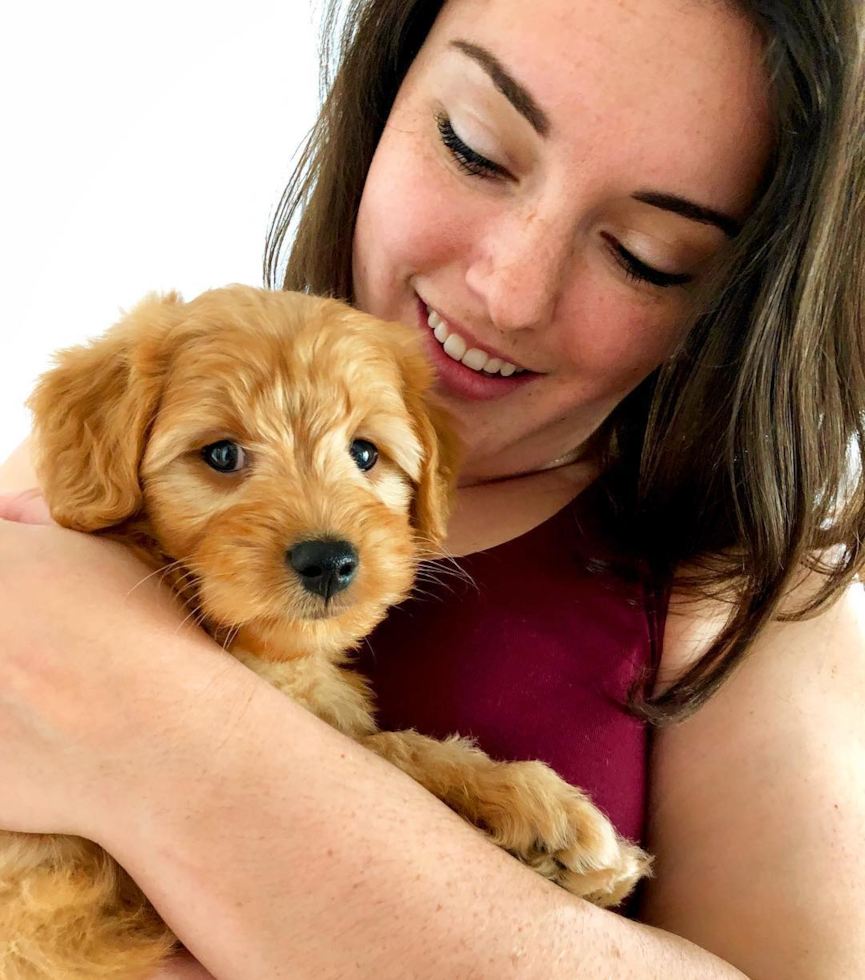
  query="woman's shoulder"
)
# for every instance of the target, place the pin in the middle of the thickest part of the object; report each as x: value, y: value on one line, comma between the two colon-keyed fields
x: 759, y: 798
x: 694, y: 623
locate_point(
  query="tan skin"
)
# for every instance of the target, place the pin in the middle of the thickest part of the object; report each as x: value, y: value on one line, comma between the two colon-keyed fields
x: 757, y: 803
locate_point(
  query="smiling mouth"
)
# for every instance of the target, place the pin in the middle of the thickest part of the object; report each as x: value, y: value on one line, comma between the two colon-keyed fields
x: 457, y: 348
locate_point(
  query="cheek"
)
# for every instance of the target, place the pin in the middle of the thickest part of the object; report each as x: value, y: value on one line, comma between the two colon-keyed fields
x: 617, y: 339
x: 180, y: 502
x: 409, y: 222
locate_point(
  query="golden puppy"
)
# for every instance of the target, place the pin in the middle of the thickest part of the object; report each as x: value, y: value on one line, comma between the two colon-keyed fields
x: 274, y: 455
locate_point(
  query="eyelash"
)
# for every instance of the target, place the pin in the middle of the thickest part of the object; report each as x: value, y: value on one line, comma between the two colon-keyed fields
x: 472, y: 163
x: 475, y: 165
x: 635, y: 269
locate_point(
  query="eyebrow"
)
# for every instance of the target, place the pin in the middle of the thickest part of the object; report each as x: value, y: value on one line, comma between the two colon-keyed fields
x: 518, y: 95
x: 688, y: 209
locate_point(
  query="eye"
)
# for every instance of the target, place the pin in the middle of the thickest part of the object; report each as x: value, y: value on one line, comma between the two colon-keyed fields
x: 635, y: 269
x: 472, y: 163
x: 224, y: 456
x: 364, y: 453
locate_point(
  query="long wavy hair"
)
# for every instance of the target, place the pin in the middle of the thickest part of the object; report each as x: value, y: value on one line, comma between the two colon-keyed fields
x: 738, y: 463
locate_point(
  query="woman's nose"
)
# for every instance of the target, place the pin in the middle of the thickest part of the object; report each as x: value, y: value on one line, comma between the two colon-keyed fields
x: 520, y: 271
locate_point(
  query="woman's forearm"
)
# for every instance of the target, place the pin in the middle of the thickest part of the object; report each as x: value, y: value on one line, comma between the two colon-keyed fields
x: 278, y: 848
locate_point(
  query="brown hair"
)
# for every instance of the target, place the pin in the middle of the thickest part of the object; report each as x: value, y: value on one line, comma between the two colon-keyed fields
x: 740, y: 459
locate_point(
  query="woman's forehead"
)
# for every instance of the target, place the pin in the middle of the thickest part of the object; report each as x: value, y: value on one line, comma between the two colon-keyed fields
x: 675, y: 89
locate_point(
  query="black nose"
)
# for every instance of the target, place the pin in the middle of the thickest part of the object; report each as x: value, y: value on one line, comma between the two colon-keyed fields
x: 324, y: 567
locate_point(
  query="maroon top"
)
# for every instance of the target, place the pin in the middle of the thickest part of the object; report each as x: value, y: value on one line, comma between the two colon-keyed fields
x: 533, y: 659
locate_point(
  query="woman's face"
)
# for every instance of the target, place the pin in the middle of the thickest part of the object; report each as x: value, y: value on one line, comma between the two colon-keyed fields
x: 553, y: 181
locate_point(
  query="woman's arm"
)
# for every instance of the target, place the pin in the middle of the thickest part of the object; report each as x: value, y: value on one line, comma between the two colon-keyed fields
x: 273, y: 845
x: 310, y: 858
x: 758, y: 802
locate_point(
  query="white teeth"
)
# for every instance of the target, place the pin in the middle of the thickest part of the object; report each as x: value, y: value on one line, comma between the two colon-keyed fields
x: 456, y: 348
x: 441, y: 333
x: 475, y: 359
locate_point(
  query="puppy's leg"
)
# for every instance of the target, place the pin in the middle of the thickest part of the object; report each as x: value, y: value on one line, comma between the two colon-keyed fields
x: 525, y: 808
x: 336, y: 694
x: 67, y: 910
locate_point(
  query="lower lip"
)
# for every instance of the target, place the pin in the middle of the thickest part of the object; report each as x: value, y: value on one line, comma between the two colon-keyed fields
x: 457, y: 379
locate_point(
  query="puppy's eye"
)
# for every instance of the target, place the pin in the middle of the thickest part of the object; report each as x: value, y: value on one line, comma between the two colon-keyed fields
x: 224, y: 456
x: 363, y: 453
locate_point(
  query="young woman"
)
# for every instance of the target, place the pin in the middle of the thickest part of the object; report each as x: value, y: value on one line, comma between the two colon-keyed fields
x: 654, y: 214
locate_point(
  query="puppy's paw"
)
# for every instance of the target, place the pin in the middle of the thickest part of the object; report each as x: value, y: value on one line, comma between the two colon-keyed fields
x: 556, y: 830
x: 525, y: 808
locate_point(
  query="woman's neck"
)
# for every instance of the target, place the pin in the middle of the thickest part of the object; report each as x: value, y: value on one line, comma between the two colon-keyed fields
x: 489, y: 513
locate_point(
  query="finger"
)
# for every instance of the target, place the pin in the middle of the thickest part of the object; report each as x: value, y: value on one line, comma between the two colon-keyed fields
x: 24, y: 507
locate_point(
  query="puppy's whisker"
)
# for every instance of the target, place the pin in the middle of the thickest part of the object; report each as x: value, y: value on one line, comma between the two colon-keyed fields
x: 185, y: 573
x: 417, y: 593
x: 444, y: 571
x: 460, y: 576
x: 440, y: 583
x: 452, y: 564
x: 449, y: 570
x: 430, y: 575
x: 230, y: 637
x: 159, y: 571
x: 188, y: 578
x: 197, y: 613
x: 433, y: 594
x: 232, y: 634
x: 187, y: 587
x: 431, y: 580
x: 193, y: 569
x: 369, y: 647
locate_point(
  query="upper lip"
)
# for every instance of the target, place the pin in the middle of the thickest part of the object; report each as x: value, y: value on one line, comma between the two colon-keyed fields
x: 470, y: 339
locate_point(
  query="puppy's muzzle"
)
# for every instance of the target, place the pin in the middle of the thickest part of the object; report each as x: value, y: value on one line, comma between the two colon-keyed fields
x: 324, y: 567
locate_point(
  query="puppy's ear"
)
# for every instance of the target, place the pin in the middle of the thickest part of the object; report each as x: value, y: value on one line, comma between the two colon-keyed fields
x: 92, y: 414
x: 434, y: 495
x: 441, y: 450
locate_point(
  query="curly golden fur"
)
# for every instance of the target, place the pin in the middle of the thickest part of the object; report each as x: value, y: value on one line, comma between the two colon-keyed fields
x: 122, y: 427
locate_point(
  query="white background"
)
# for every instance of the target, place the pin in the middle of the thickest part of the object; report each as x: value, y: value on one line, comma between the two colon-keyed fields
x: 145, y: 147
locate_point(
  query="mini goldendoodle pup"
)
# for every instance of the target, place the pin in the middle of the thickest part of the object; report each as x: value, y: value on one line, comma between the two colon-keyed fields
x: 275, y: 457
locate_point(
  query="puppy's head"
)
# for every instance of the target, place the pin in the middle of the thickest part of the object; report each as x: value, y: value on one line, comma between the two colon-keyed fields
x: 280, y: 447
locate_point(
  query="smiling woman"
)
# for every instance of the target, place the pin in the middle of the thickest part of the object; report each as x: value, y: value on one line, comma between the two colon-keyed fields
x: 562, y: 256
x: 630, y: 238
x: 507, y: 179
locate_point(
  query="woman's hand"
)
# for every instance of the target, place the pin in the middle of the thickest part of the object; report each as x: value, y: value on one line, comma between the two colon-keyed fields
x: 25, y: 507
x: 86, y: 682
x: 44, y: 740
